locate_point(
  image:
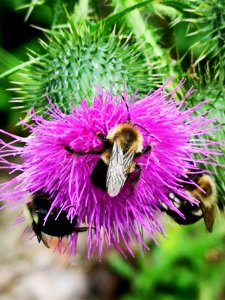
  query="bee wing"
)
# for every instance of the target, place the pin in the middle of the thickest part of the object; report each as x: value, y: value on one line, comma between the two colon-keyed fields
x: 209, y: 215
x: 115, y: 177
x: 33, y: 221
x: 128, y: 159
x: 117, y: 169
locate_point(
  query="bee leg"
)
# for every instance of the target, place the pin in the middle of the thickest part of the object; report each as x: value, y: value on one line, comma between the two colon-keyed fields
x: 146, y: 149
x: 101, y: 136
x: 72, y: 151
x: 69, y: 149
x: 107, y: 144
x: 80, y: 229
x: 136, y: 177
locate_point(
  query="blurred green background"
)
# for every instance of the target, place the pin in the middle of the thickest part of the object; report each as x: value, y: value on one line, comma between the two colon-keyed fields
x: 16, y: 36
x: 189, y: 263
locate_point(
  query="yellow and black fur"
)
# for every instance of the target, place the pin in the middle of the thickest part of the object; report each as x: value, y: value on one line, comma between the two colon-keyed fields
x: 122, y: 144
x: 56, y: 224
x: 204, y: 190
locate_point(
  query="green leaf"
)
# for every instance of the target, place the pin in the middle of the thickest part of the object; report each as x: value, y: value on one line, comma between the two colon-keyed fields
x: 113, y: 18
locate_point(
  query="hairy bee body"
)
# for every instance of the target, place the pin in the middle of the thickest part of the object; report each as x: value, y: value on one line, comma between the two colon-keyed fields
x: 56, y: 224
x: 204, y: 190
x: 99, y: 173
x: 129, y: 137
x: 122, y: 144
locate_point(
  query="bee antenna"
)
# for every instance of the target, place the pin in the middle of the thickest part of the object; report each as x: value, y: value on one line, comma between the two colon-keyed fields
x: 129, y: 119
x: 127, y: 107
x: 142, y: 128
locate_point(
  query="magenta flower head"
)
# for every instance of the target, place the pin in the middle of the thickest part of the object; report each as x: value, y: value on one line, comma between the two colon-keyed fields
x: 111, y: 165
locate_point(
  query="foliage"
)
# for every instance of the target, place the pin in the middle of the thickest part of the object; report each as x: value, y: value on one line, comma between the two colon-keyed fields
x: 185, y: 266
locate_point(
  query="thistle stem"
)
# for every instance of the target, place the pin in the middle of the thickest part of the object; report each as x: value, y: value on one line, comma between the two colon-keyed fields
x: 137, y: 23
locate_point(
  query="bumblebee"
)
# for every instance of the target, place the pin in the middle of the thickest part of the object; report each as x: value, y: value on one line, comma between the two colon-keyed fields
x: 203, y: 189
x: 120, y: 147
x: 57, y: 223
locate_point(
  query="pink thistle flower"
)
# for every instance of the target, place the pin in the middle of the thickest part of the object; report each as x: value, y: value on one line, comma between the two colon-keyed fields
x: 175, y: 134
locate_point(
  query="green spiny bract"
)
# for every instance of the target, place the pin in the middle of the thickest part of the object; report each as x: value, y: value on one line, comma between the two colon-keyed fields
x: 214, y: 92
x: 207, y: 23
x: 75, y: 63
